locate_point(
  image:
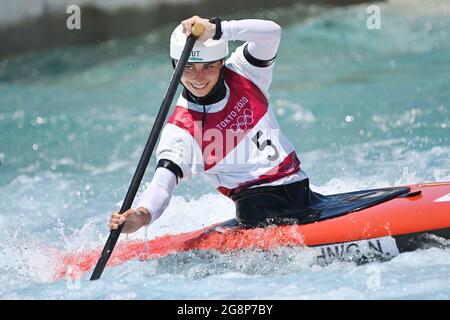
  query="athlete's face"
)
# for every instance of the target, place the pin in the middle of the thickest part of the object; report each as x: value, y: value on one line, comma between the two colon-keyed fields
x: 200, y: 78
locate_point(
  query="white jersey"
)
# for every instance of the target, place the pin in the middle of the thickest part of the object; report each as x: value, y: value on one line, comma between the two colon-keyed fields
x: 240, y: 145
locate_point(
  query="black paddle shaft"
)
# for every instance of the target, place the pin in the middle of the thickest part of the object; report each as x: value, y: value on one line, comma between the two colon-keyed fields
x: 146, y: 155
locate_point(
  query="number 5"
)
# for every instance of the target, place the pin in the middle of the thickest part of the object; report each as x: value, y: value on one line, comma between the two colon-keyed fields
x: 264, y: 145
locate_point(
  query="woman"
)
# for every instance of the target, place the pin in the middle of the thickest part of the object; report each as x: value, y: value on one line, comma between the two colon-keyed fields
x: 223, y: 128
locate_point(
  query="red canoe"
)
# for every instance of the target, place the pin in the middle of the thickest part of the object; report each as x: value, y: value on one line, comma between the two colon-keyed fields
x: 407, y: 218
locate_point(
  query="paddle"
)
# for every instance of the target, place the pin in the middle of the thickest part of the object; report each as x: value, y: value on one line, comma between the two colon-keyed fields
x: 197, y: 30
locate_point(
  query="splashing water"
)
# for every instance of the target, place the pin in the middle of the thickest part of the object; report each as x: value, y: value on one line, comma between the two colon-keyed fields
x: 364, y: 108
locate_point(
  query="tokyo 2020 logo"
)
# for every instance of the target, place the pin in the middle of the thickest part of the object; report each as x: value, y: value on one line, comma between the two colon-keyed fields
x: 242, y: 122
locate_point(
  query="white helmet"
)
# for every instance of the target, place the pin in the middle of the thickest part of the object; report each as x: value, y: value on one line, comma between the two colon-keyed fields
x: 210, y: 50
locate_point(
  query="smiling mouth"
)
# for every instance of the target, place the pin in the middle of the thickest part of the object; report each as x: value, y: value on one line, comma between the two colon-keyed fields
x: 199, y: 86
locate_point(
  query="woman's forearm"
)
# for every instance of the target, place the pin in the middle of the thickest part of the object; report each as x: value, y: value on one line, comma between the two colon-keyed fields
x: 156, y: 197
x: 263, y: 36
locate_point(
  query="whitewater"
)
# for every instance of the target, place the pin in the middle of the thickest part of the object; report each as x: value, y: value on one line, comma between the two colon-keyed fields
x: 364, y: 109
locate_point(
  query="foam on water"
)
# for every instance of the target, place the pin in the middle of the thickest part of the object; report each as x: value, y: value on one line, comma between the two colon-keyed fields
x: 30, y: 264
x: 365, y: 109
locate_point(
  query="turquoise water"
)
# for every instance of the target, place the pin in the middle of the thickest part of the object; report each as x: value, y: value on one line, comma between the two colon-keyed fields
x: 364, y: 108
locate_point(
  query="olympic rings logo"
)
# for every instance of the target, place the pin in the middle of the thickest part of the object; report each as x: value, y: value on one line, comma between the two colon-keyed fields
x: 242, y: 122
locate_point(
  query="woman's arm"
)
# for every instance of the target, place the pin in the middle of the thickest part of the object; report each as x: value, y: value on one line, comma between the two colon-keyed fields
x: 153, y: 202
x: 254, y: 59
x: 263, y: 36
x: 157, y: 195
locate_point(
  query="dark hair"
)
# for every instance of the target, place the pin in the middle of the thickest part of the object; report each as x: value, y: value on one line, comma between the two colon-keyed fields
x: 174, y: 62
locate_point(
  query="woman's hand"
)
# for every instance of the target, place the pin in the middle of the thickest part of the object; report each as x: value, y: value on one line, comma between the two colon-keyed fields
x: 210, y: 28
x: 134, y: 220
